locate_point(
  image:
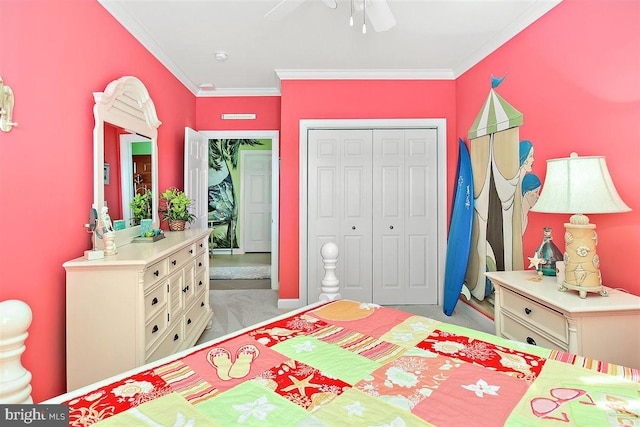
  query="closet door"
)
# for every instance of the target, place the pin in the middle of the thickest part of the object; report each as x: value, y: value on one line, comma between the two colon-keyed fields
x: 340, y: 209
x: 404, y: 216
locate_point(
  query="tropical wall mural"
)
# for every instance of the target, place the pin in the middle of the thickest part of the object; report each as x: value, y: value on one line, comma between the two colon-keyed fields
x: 224, y: 187
x: 505, y: 190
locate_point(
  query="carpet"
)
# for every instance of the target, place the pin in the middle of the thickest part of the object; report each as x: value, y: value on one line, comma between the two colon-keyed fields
x: 237, y: 309
x: 240, y: 272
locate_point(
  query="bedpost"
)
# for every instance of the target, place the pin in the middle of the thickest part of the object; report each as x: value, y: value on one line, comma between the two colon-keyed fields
x: 15, y: 380
x: 330, y: 283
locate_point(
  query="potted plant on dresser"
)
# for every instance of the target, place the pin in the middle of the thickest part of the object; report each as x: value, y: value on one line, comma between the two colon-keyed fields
x: 141, y: 206
x: 175, y: 209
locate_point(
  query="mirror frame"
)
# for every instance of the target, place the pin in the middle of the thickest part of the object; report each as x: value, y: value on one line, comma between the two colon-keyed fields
x: 125, y: 103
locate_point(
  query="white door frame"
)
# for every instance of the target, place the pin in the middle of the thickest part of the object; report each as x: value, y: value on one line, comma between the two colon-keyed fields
x: 305, y: 125
x: 274, y: 136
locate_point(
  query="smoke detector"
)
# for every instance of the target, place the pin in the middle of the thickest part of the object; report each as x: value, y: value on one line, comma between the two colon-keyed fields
x: 221, y: 56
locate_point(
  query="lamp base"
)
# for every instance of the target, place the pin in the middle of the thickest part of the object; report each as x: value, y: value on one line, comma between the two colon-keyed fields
x: 582, y: 290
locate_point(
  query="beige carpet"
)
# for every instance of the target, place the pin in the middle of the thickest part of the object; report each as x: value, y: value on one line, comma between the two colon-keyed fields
x: 237, y: 309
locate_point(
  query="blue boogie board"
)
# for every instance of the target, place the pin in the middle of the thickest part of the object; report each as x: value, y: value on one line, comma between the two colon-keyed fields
x: 459, y: 243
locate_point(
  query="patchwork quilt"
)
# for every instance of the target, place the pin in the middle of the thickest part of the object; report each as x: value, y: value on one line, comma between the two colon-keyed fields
x: 346, y: 363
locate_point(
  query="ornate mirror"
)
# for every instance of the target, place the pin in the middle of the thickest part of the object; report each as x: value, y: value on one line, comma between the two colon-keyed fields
x: 125, y: 155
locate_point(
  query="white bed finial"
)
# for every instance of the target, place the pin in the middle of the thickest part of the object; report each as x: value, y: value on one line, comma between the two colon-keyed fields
x: 330, y: 283
x: 15, y: 380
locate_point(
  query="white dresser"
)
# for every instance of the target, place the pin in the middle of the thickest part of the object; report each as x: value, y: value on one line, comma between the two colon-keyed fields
x: 148, y: 301
x: 602, y: 328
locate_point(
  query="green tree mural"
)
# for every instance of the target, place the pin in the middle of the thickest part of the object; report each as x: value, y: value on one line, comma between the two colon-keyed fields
x: 224, y: 155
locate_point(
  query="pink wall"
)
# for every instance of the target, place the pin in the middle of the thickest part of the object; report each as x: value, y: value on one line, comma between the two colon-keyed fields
x: 348, y: 100
x: 266, y: 108
x: 59, y: 53
x: 575, y: 76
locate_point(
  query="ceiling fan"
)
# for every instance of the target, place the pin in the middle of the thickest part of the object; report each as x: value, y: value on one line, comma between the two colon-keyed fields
x: 376, y: 11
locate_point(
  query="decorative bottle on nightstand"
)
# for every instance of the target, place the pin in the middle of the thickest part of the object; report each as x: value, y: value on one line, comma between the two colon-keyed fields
x: 549, y: 252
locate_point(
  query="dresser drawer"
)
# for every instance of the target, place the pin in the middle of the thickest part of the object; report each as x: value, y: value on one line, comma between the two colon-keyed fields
x: 155, y: 272
x: 514, y: 330
x: 530, y: 312
x: 201, y: 245
x: 169, y: 344
x: 201, y: 263
x: 155, y: 300
x: 155, y: 328
x: 177, y: 259
x: 194, y: 315
x: 201, y: 282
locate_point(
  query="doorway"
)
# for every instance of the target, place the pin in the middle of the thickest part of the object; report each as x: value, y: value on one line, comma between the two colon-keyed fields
x: 441, y: 199
x: 272, y: 222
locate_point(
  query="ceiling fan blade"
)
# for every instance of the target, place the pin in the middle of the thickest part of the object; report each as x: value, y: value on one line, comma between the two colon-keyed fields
x: 380, y: 15
x: 282, y: 9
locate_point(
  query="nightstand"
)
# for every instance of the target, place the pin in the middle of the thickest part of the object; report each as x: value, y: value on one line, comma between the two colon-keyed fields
x: 602, y: 328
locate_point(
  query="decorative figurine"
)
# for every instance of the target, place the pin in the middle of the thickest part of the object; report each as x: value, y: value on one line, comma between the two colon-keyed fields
x: 106, y: 233
x: 91, y: 229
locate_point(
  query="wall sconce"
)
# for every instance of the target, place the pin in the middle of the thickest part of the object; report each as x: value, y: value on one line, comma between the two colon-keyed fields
x: 6, y: 107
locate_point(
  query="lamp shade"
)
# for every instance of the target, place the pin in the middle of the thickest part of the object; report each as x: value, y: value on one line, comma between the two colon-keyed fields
x: 579, y: 185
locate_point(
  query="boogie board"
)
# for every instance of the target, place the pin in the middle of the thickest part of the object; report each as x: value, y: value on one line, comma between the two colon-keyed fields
x: 459, y: 243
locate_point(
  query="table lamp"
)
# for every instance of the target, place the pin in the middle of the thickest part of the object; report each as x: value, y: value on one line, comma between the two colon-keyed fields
x: 580, y: 185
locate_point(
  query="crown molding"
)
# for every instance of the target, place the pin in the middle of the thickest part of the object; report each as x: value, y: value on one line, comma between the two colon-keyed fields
x: 363, y: 74
x: 249, y: 91
x: 531, y: 15
x: 120, y: 12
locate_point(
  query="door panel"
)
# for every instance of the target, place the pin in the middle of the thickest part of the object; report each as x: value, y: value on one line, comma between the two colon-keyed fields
x: 196, y: 164
x: 339, y: 209
x: 256, y: 201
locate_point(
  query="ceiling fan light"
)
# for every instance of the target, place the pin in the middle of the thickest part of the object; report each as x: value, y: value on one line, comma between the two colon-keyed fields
x: 330, y: 3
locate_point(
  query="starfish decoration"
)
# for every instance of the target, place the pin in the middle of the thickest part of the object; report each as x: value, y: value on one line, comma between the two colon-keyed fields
x: 535, y: 261
x: 301, y: 385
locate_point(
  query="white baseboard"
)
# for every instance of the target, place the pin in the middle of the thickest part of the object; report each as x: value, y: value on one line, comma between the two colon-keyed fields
x: 475, y: 315
x: 289, y: 304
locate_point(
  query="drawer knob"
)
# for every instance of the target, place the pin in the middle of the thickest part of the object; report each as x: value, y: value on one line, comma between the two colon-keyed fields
x: 185, y: 289
x: 353, y: 227
x: 155, y: 329
x: 156, y: 273
x: 531, y: 341
x: 188, y: 321
x: 202, y: 304
x: 201, y: 245
x: 175, y: 337
x: 174, y: 262
x: 155, y: 301
x: 527, y: 310
x: 200, y: 283
x: 391, y: 227
x: 190, y: 251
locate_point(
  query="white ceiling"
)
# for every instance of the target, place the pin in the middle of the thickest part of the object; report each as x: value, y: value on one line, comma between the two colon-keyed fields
x: 433, y: 39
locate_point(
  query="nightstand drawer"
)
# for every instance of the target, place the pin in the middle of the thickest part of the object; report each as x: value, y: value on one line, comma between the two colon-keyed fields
x: 541, y: 317
x: 514, y: 330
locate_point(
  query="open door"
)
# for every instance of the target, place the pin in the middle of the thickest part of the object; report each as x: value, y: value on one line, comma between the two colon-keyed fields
x: 196, y: 153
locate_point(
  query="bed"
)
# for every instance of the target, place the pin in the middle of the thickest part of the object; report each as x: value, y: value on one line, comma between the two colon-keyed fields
x: 339, y: 363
